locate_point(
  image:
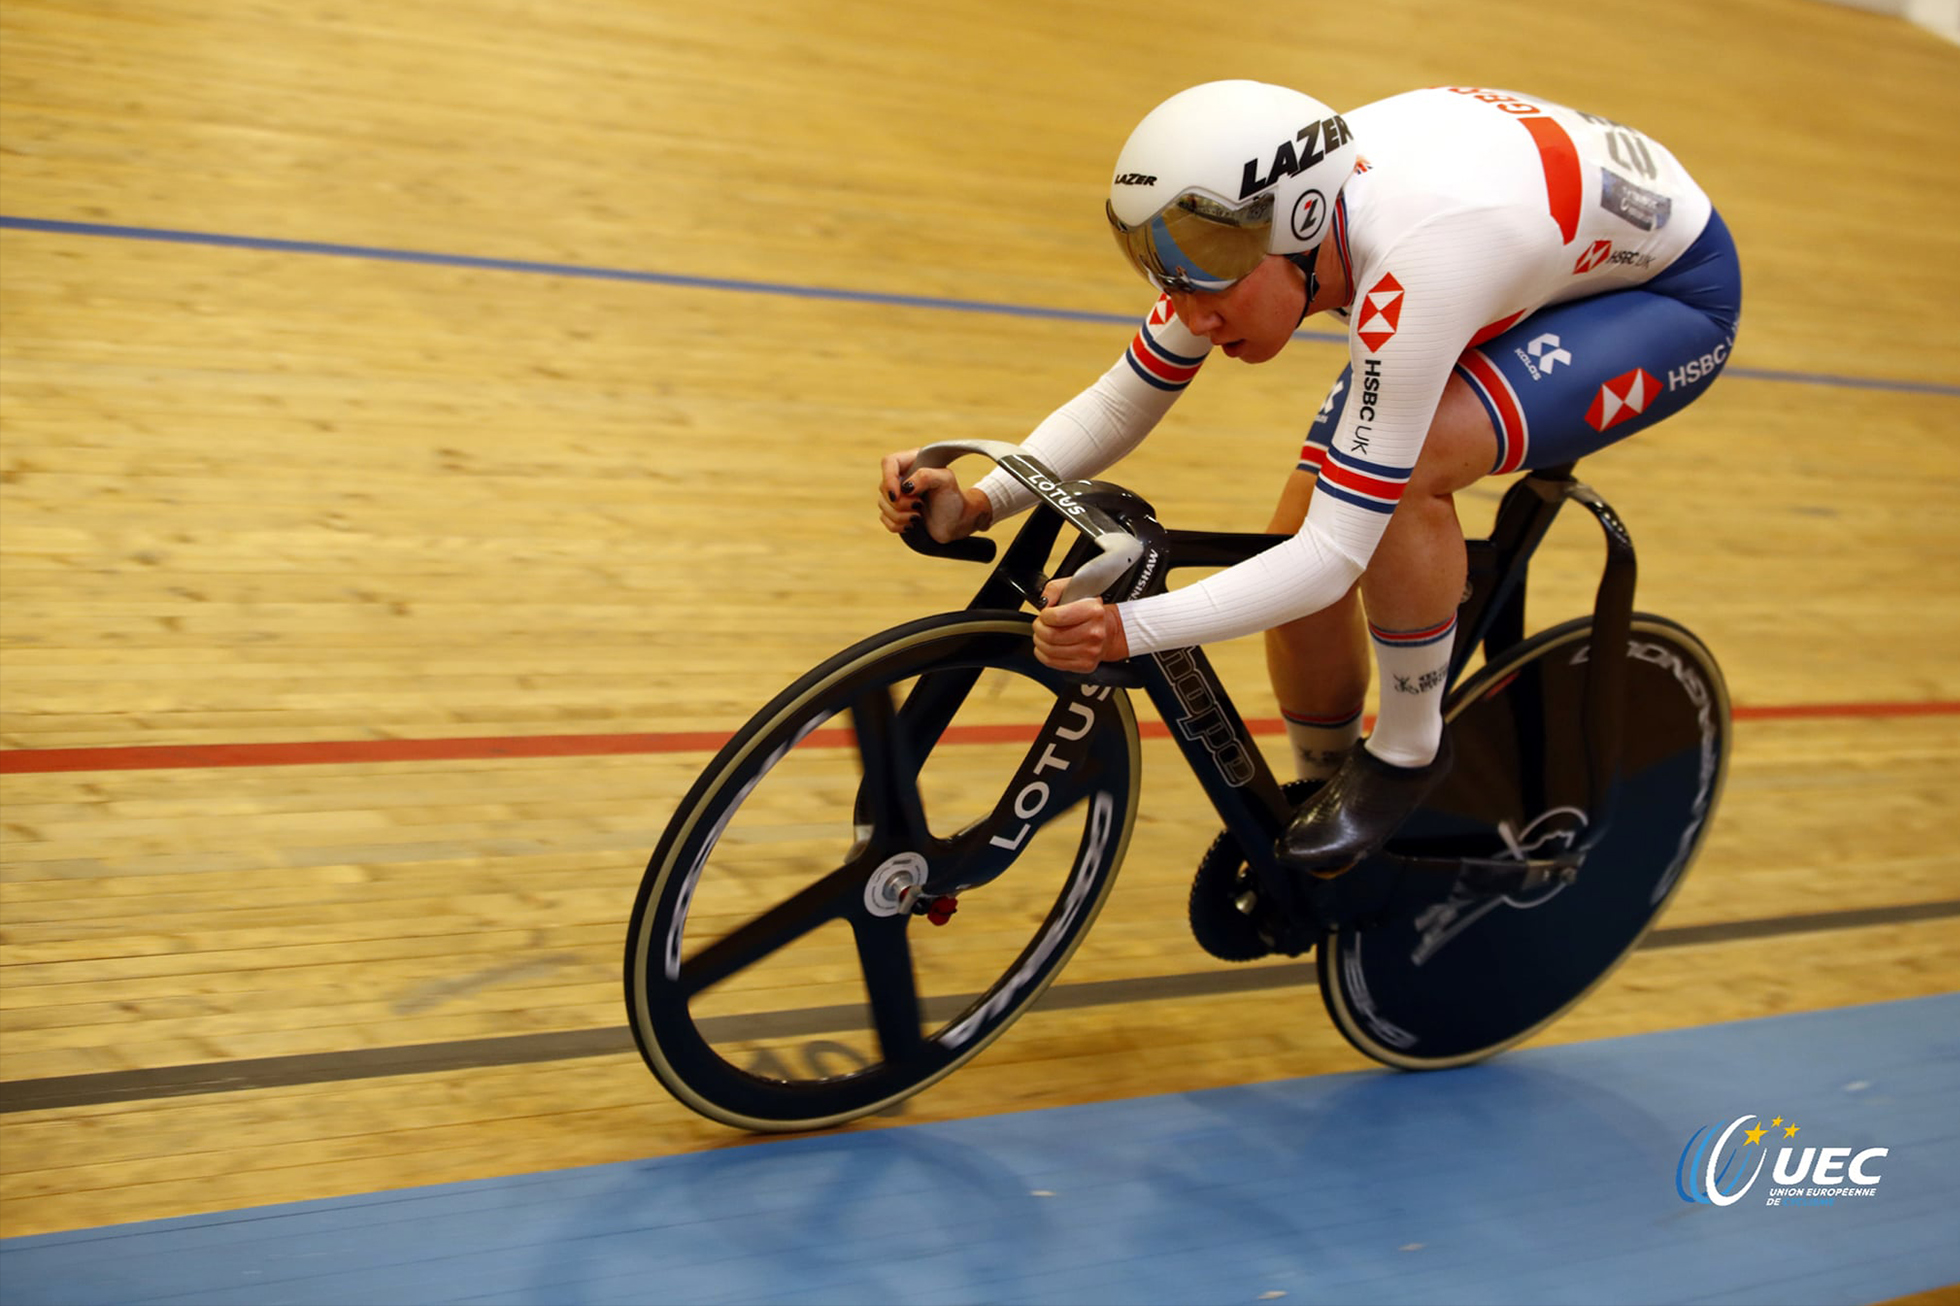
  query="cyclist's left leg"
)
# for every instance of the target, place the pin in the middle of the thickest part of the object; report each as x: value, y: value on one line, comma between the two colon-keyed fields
x: 1567, y: 381
x: 1573, y: 378
x: 1414, y: 581
x: 1564, y: 383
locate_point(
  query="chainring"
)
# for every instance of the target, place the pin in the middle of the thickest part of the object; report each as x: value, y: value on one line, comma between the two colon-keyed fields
x: 1223, y: 890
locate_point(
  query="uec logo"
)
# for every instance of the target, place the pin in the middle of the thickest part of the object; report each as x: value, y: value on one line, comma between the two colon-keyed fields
x: 1703, y: 1173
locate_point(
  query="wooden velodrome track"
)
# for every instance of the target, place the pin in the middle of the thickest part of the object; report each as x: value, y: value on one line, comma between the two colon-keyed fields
x: 497, y: 549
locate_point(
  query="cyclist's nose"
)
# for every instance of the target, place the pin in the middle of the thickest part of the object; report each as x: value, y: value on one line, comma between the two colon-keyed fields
x: 1198, y: 319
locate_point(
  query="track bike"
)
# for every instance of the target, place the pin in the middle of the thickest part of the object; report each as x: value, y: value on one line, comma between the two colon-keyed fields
x: 783, y: 970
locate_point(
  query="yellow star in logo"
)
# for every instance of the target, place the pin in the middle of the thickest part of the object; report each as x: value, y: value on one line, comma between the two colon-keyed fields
x: 1777, y: 1121
x: 1790, y: 1131
x: 1754, y: 1135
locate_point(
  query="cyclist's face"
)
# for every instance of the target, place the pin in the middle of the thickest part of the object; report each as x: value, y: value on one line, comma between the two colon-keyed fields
x: 1254, y: 318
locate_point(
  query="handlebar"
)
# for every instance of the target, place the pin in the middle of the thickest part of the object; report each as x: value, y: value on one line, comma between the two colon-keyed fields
x: 1119, y: 549
x: 970, y: 549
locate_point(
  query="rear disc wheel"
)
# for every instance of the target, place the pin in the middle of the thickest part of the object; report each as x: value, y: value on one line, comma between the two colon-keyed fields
x: 1453, y: 975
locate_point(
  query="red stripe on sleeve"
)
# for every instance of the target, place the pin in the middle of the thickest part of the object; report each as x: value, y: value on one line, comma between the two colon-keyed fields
x: 1348, y: 479
x: 1151, y: 363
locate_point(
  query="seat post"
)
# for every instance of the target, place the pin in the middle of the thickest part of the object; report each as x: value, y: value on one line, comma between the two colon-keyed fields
x: 1606, y: 657
x: 1492, y: 614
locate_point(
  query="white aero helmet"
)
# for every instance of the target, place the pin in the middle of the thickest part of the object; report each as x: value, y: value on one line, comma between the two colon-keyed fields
x: 1217, y: 177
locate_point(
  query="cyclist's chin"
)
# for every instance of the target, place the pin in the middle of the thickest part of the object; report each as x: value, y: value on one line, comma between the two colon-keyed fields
x: 1253, y: 349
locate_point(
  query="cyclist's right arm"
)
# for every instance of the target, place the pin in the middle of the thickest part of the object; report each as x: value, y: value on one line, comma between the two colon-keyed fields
x: 1082, y: 437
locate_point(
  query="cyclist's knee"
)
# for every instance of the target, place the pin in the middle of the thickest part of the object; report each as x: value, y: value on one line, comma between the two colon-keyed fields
x: 1461, y: 448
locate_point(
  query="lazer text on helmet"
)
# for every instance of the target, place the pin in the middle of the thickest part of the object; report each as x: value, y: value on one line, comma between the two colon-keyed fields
x: 1313, y: 141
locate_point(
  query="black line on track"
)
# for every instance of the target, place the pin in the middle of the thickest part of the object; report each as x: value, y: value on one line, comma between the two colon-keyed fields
x: 62, y: 1092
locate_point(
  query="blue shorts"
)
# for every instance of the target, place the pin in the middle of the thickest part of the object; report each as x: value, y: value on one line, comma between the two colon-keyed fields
x: 1575, y: 377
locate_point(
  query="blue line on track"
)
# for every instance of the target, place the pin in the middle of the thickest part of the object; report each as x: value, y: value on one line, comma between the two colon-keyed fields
x: 271, y: 245
x: 555, y: 269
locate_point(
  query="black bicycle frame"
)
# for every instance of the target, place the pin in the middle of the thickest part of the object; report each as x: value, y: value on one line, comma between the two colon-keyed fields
x: 1187, y: 692
x: 1492, y: 612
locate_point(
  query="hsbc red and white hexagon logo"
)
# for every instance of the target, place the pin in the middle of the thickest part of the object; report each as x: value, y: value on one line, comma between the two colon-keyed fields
x: 1593, y: 257
x: 1623, y: 397
x: 1381, y: 312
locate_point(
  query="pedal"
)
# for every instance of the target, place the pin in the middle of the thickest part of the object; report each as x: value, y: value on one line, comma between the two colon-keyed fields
x: 1490, y: 875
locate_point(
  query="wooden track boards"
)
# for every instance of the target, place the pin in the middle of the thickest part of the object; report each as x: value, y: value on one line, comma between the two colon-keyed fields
x: 259, y: 494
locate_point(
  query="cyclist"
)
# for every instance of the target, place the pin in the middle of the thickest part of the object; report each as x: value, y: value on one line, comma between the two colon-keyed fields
x: 1523, y: 284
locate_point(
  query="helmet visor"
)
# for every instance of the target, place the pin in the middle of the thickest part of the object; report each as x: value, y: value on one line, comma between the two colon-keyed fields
x: 1194, y: 243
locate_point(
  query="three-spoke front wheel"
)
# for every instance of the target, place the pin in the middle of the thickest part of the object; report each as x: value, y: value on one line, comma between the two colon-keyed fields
x: 878, y: 873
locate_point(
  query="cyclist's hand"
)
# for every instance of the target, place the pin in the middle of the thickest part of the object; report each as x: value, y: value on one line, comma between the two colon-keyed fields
x: 904, y: 495
x: 1080, y: 635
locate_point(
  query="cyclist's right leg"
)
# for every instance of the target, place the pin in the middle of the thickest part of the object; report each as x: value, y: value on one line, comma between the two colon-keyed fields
x: 1319, y: 663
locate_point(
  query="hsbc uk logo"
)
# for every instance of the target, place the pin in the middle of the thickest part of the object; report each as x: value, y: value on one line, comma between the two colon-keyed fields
x: 1602, y: 252
x: 1715, y: 1170
x: 1625, y: 396
x: 1542, y: 355
x: 1381, y: 313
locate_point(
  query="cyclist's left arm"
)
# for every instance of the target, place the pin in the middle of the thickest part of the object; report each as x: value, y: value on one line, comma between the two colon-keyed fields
x: 1454, y: 277
x: 1100, y: 425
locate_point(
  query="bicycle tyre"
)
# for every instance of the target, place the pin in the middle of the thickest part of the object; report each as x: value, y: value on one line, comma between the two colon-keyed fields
x: 1448, y: 978
x: 1084, y: 760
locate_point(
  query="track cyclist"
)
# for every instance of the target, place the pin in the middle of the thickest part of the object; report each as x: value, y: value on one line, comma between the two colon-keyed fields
x: 1522, y: 284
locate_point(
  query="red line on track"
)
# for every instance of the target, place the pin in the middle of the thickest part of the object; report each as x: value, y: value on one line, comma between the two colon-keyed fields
x: 152, y: 757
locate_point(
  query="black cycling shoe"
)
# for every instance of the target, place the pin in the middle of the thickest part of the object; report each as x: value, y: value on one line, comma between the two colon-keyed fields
x: 1358, y: 810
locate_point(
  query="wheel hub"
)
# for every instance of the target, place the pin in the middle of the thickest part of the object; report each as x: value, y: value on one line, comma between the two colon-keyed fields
x: 895, y: 885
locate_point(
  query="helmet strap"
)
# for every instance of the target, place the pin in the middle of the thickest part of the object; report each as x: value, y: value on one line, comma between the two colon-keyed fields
x: 1306, y: 263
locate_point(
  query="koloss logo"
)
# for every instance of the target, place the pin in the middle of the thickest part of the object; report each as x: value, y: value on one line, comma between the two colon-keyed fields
x: 1542, y: 355
x: 1715, y: 1169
